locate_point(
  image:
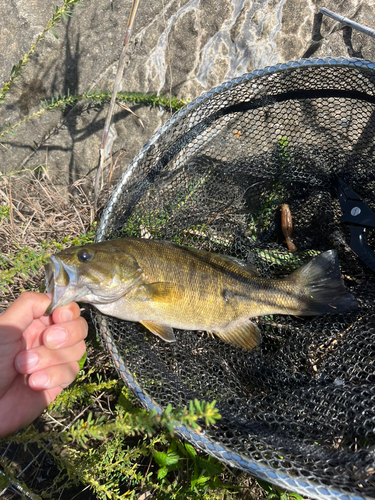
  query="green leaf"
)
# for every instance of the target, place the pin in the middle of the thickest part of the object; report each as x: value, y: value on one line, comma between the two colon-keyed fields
x: 173, y: 446
x: 296, y: 496
x: 124, y: 402
x: 191, y: 407
x: 212, y: 468
x: 266, y: 486
x: 160, y: 458
x: 82, y: 361
x: 198, y: 477
x: 191, y: 451
x: 197, y: 405
x: 200, y: 480
x: 168, y: 409
x: 162, y: 473
x: 172, y: 458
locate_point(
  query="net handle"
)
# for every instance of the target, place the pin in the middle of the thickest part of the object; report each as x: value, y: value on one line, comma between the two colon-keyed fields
x: 348, y: 22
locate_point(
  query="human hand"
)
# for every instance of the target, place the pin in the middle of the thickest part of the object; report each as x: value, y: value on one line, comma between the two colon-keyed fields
x: 38, y: 357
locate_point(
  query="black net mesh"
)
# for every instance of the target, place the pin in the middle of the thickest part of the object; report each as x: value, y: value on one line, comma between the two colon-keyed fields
x: 299, y: 412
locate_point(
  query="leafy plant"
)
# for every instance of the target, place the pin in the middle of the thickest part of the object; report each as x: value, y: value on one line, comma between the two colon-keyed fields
x: 93, y: 447
x: 270, y: 199
x: 284, y: 152
x: 202, y: 472
x: 274, y: 493
x: 98, y: 97
x: 4, y: 212
x: 59, y: 14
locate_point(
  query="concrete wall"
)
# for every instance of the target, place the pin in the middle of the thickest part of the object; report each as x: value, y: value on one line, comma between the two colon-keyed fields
x: 180, y: 46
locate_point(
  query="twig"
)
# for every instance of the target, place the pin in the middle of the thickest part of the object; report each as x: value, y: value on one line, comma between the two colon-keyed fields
x: 145, y: 476
x: 28, y: 223
x: 84, y: 489
x: 120, y: 70
x: 11, y: 204
x: 79, y: 218
x: 124, y: 106
x: 168, y: 61
x: 113, y: 166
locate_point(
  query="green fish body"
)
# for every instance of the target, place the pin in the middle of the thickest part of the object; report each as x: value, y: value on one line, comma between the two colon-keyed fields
x: 164, y: 286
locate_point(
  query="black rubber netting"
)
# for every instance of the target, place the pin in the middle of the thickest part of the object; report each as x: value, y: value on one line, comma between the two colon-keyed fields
x: 299, y: 412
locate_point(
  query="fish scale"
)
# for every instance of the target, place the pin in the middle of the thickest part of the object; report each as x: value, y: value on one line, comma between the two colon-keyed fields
x: 164, y: 286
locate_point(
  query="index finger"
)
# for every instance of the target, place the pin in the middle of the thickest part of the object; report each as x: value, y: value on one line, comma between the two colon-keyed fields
x: 63, y: 314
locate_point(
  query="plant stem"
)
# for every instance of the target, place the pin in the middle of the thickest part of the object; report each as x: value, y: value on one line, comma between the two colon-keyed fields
x: 57, y: 16
x: 98, y: 97
x: 120, y: 70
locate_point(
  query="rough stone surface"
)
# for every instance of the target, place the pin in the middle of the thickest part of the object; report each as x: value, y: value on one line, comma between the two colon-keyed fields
x: 183, y: 47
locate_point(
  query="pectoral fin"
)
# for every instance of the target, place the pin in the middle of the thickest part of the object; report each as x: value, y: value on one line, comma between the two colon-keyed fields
x: 163, y: 331
x: 245, y: 335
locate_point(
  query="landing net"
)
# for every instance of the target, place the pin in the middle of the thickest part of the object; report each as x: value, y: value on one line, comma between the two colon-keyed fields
x: 300, y: 412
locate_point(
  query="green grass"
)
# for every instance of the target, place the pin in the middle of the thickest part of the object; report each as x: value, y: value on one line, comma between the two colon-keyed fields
x: 94, y: 451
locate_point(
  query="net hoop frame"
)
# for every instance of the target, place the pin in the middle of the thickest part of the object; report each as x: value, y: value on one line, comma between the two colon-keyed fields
x: 202, y: 440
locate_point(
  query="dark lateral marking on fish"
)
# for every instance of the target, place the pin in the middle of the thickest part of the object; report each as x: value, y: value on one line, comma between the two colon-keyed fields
x: 191, y: 289
x: 226, y: 295
x: 232, y: 298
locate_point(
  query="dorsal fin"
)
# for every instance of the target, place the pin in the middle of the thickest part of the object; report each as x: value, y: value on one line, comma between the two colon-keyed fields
x: 226, y: 263
x: 246, y: 266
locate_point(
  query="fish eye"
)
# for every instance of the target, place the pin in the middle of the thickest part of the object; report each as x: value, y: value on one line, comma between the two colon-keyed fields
x: 84, y: 256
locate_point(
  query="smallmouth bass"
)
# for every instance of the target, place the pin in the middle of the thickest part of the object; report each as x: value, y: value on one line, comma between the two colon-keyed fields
x: 164, y: 286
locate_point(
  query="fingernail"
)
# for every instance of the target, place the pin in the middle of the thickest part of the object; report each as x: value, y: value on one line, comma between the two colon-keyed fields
x: 66, y: 315
x: 39, y: 380
x: 26, y: 360
x: 56, y: 336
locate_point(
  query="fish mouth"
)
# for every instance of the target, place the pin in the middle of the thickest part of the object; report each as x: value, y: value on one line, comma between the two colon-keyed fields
x: 61, y: 281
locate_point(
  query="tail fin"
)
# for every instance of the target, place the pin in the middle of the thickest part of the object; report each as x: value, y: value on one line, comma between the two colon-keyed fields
x: 324, y: 290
